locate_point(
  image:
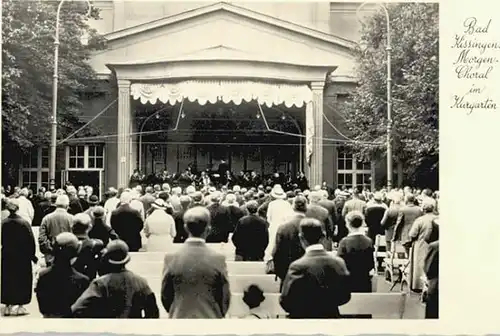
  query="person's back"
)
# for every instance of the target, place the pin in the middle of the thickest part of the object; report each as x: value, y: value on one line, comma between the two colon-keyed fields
x: 195, y: 283
x: 127, y: 223
x: 118, y: 294
x: 251, y: 236
x: 316, y: 284
x: 123, y: 295
x: 220, y: 222
x: 354, y: 204
x: 60, y: 285
x: 406, y: 217
x: 374, y: 215
x: 52, y: 225
x: 287, y: 246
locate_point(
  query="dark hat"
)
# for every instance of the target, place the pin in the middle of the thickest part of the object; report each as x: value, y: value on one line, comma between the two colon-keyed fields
x: 93, y: 200
x: 117, y: 252
x: 98, y: 212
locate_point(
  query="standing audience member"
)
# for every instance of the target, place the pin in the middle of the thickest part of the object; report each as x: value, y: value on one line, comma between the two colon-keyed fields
x: 421, y: 235
x: 288, y: 246
x: 26, y: 210
x: 219, y: 220
x: 52, y: 225
x: 159, y: 228
x: 354, y: 204
x: 100, y: 230
x: 195, y: 283
x: 314, y: 210
x: 82, y: 198
x: 127, y: 223
x: 93, y: 203
x: 179, y: 219
x: 148, y: 199
x: 118, y: 294
x: 314, y: 278
x: 60, y: 285
x: 18, y: 254
x: 357, y: 251
x: 278, y: 212
x: 406, y: 217
x: 111, y: 204
x: 431, y: 268
x: 373, y: 216
x: 87, y: 261
x: 388, y: 222
x: 75, y: 206
x: 251, y: 236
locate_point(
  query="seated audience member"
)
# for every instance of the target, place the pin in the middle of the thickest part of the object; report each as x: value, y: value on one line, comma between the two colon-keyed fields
x: 250, y: 236
x: 195, y: 283
x: 118, y: 294
x: 315, y: 278
x: 357, y: 251
x: 253, y: 297
x: 87, y: 261
x: 60, y: 285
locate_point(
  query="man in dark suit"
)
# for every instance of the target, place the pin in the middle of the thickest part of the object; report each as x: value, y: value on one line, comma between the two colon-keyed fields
x: 431, y: 268
x: 127, y: 223
x: 195, y: 283
x: 220, y: 221
x: 287, y: 247
x: 314, y: 210
x: 316, y: 284
x: 374, y: 214
x: 251, y: 235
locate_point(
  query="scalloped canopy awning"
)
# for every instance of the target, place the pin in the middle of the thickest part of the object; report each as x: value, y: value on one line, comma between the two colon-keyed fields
x: 211, y: 91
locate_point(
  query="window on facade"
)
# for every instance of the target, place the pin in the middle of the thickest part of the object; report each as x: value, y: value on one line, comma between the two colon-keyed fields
x: 30, y: 159
x: 96, y: 156
x: 45, y: 158
x: 77, y: 157
x: 30, y: 179
x: 352, y: 173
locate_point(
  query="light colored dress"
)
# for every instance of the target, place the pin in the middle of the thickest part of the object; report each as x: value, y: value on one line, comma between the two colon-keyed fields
x: 420, y: 232
x: 278, y: 213
x: 159, y: 229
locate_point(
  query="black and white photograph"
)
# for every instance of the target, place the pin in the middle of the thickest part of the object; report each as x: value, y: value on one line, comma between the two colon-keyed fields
x: 220, y: 160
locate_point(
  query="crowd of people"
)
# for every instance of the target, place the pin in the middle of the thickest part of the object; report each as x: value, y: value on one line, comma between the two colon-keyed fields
x: 85, y: 242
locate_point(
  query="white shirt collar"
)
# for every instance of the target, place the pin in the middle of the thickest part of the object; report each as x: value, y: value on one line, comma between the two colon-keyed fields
x: 356, y: 233
x: 195, y: 239
x: 315, y: 247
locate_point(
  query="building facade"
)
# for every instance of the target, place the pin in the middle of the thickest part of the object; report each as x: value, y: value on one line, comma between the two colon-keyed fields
x: 189, y: 84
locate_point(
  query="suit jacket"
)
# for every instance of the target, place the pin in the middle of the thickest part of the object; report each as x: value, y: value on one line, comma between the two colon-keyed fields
x: 287, y: 247
x: 251, y: 237
x: 315, y: 286
x: 127, y: 223
x: 321, y: 214
x: 357, y: 252
x: 220, y: 221
x: 352, y: 205
x: 195, y: 283
x: 406, y: 217
x: 53, y: 224
x: 373, y: 217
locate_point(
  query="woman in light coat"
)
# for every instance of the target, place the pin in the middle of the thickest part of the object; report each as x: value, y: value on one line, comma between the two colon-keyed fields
x: 421, y: 234
x: 159, y: 228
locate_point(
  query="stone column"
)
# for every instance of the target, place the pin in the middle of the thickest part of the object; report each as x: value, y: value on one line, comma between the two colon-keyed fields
x: 316, y: 167
x: 123, y: 139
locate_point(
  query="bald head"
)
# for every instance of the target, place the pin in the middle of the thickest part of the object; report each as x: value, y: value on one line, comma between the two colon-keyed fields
x: 197, y: 221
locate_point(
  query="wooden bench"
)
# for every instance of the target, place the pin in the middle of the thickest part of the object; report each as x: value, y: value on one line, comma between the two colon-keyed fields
x: 154, y: 267
x: 378, y: 305
x: 237, y: 283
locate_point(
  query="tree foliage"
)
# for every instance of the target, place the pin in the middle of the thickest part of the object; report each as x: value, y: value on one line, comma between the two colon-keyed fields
x: 415, y: 89
x: 28, y: 31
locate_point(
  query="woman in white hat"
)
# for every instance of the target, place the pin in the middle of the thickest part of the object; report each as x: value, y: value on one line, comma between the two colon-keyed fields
x: 159, y: 228
x: 278, y: 212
